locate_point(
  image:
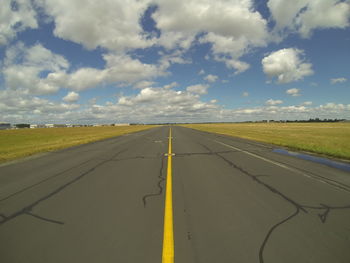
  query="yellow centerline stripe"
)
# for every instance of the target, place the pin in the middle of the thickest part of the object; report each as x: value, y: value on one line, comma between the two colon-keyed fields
x: 168, y: 235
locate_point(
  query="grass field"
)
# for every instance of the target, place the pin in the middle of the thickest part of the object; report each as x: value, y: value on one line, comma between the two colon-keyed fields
x: 332, y: 139
x: 25, y: 142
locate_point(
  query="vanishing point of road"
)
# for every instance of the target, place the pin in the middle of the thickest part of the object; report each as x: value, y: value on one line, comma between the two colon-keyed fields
x: 183, y: 197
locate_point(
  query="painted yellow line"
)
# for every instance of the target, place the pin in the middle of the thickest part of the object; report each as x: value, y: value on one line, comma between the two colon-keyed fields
x: 168, y: 235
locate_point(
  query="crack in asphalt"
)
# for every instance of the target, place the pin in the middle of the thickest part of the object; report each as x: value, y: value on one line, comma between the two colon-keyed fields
x: 131, y: 158
x: 200, y: 153
x: 333, y: 182
x: 27, y: 209
x: 44, y: 180
x: 262, y: 247
x: 159, y: 184
x: 299, y: 207
x: 45, y: 219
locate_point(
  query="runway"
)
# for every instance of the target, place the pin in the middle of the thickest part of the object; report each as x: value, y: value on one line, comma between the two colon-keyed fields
x: 233, y: 200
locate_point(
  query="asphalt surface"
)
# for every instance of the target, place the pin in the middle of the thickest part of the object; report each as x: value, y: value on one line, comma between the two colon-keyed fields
x: 233, y: 200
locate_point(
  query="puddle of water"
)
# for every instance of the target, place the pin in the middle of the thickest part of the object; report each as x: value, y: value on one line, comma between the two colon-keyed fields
x: 325, y: 161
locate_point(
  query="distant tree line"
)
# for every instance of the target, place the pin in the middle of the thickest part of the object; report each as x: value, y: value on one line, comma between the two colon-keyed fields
x: 262, y: 121
x: 315, y: 120
x: 26, y: 125
x: 22, y: 125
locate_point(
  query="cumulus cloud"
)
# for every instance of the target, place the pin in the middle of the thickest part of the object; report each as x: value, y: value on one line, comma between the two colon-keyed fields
x: 287, y: 65
x: 163, y: 104
x: 293, y: 92
x: 172, y: 57
x: 120, y: 70
x: 307, y: 103
x: 273, y: 102
x: 71, y: 97
x: 143, y: 84
x: 171, y: 85
x: 114, y: 25
x: 201, y: 72
x: 338, y: 80
x: 23, y: 67
x: 198, y: 89
x: 245, y: 94
x: 152, y: 105
x: 19, y: 106
x: 231, y: 27
x: 40, y: 71
x: 304, y: 16
x: 237, y: 65
x: 334, y: 106
x: 15, y: 16
x: 211, y: 78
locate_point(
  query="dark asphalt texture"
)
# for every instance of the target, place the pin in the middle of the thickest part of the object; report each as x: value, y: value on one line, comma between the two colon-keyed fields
x: 234, y: 201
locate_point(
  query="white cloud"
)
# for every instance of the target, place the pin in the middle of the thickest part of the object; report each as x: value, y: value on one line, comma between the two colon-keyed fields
x: 71, y: 97
x: 304, y: 16
x: 287, y: 65
x: 294, y: 92
x: 15, y: 16
x: 171, y: 85
x: 338, y: 80
x: 123, y: 68
x: 201, y: 72
x: 232, y: 27
x: 152, y: 105
x: 273, y: 102
x: 307, y: 103
x: 245, y: 94
x: 162, y: 104
x: 40, y: 71
x: 198, y: 89
x: 143, y: 84
x: 235, y: 18
x: 172, y: 57
x: 211, y: 78
x: 301, y: 112
x: 114, y: 25
x: 333, y: 107
x: 19, y: 106
x: 24, y: 65
x: 120, y: 70
x: 237, y: 65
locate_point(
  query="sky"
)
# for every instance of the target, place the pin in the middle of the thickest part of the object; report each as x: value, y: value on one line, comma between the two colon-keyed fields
x: 159, y: 61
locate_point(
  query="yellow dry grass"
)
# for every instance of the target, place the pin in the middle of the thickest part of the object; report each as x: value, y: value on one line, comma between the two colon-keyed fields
x: 332, y: 139
x: 24, y: 142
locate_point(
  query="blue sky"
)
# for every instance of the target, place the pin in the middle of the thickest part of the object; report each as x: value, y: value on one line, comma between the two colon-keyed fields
x: 72, y: 61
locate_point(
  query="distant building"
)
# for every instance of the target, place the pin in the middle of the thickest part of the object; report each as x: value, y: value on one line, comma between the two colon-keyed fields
x: 60, y: 125
x: 121, y: 124
x: 35, y: 126
x: 5, y: 126
x: 55, y: 125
